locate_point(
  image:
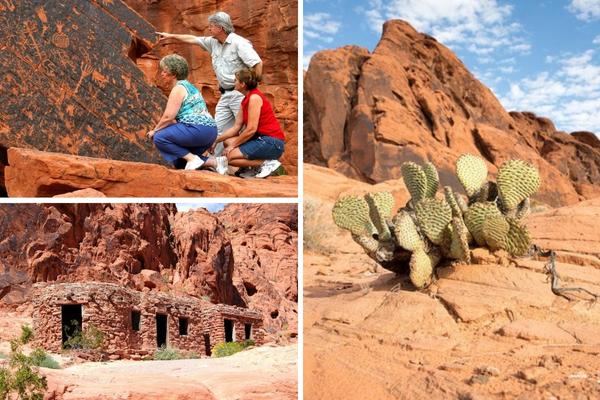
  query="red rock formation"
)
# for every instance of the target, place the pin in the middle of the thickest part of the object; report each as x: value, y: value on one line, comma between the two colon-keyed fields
x: 271, y: 26
x: 265, y: 242
x: 34, y: 173
x: 206, y: 262
x: 412, y: 99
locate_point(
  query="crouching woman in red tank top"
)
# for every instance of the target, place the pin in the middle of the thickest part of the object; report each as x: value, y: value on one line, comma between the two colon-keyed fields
x: 256, y: 141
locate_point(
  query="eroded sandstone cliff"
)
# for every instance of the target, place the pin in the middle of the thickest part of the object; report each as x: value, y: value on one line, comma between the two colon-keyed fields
x: 412, y: 99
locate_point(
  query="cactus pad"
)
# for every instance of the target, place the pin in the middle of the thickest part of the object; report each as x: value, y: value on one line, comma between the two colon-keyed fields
x: 433, y: 179
x: 381, y: 206
x: 517, y: 239
x: 352, y: 213
x: 433, y: 216
x: 472, y: 173
x: 495, y: 229
x: 407, y: 235
x: 451, y: 200
x: 517, y: 180
x: 415, y: 180
x: 459, y: 245
x: 421, y: 268
x: 476, y: 216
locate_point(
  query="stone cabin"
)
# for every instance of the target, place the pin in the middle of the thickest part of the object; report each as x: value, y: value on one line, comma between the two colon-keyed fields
x: 137, y: 323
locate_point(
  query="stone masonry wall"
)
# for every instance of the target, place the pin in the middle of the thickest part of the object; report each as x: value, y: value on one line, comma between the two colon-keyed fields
x: 109, y: 307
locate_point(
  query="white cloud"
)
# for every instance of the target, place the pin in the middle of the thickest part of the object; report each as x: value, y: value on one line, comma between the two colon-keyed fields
x: 482, y: 27
x: 585, y: 10
x: 320, y: 24
x: 596, y: 40
x: 569, y: 95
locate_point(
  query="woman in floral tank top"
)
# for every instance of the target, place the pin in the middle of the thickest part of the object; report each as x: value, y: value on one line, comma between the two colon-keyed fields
x: 186, y: 129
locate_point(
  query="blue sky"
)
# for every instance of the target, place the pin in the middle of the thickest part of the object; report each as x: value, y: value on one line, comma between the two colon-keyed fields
x: 540, y: 56
x: 212, y: 207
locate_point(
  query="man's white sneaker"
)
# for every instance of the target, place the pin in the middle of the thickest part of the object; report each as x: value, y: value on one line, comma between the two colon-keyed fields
x: 222, y: 165
x: 267, y: 168
x: 196, y: 163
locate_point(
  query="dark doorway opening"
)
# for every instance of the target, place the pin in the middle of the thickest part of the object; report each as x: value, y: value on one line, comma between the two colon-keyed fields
x: 228, y: 330
x: 161, y: 330
x: 207, y: 344
x: 135, y: 320
x: 71, y: 321
x: 247, y: 331
x: 183, y: 326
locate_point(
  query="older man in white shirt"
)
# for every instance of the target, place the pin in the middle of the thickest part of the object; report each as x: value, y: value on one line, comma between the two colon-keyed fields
x: 230, y: 53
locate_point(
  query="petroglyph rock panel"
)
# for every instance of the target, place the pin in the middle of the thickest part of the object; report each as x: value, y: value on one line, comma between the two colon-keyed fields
x: 70, y: 81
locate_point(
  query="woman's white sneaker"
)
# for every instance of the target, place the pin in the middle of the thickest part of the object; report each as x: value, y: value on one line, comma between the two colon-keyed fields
x: 267, y: 167
x: 222, y: 165
x: 195, y: 163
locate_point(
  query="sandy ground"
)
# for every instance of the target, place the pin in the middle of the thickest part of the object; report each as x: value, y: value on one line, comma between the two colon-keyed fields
x: 491, y: 330
x: 263, y: 373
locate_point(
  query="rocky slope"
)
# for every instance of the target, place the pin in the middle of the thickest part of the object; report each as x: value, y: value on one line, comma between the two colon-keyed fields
x: 141, y: 246
x: 492, y: 329
x: 412, y: 99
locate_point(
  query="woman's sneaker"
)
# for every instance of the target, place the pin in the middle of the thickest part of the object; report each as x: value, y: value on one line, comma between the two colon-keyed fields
x: 222, y: 165
x: 196, y: 163
x: 267, y: 168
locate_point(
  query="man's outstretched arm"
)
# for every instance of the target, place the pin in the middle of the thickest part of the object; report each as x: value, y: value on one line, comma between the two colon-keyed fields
x: 190, y: 39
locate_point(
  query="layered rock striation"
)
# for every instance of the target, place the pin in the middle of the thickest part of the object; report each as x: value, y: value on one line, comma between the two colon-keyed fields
x: 412, y: 99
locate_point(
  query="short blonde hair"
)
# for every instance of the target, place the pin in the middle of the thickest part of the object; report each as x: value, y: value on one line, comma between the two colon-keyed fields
x: 175, y: 65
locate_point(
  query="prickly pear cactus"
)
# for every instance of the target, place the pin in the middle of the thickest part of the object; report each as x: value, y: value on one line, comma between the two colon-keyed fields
x: 472, y: 173
x: 429, y: 229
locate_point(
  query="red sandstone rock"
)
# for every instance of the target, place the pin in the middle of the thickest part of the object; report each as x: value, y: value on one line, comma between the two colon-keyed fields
x: 73, y: 86
x: 205, y: 257
x: 412, y: 99
x: 271, y: 26
x: 33, y: 173
x: 265, y: 240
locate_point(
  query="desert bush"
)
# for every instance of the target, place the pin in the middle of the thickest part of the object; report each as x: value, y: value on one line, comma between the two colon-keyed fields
x: 41, y: 359
x: 20, y: 378
x: 26, y: 334
x: 90, y: 338
x: 167, y: 353
x: 229, y: 348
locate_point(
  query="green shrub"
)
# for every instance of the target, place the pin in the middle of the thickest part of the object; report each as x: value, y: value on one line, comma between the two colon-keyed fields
x: 41, y: 359
x: 90, y: 338
x: 167, y: 353
x: 2, y: 355
x: 229, y: 348
x: 20, y: 378
x: 26, y: 334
